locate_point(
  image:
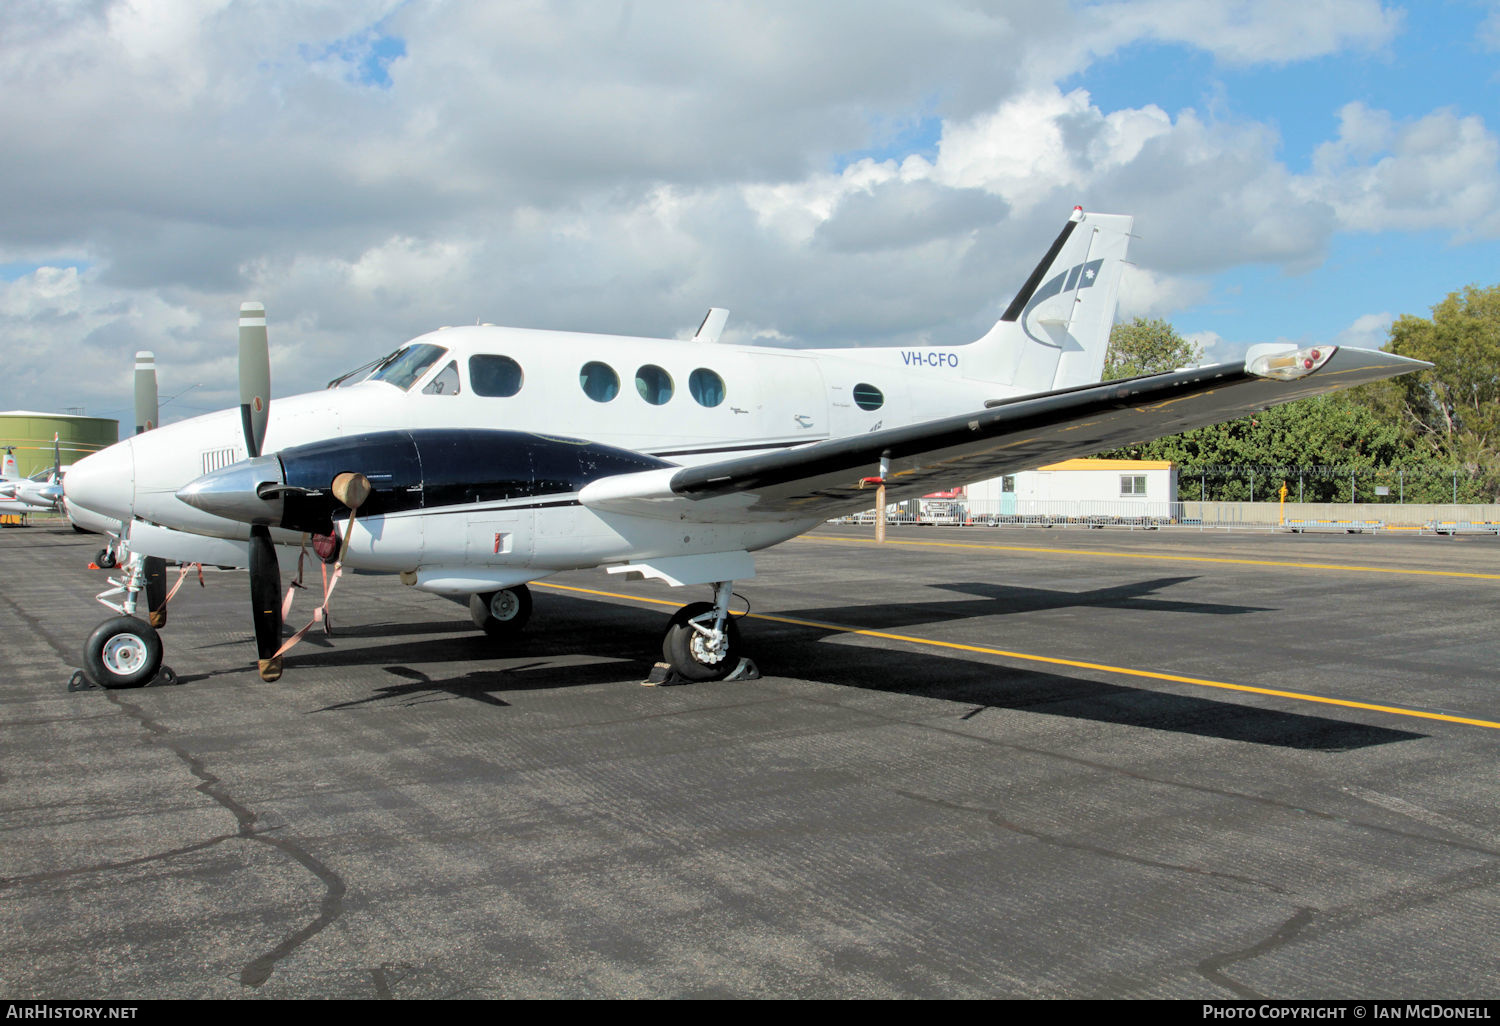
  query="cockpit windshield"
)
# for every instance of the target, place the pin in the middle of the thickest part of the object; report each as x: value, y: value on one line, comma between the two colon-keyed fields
x: 401, y: 368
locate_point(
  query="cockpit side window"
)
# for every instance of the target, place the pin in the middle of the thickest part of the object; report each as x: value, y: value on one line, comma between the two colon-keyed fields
x: 495, y: 375
x: 445, y: 382
x: 403, y: 367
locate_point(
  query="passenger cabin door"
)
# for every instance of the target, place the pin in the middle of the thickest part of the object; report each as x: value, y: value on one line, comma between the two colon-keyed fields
x: 791, y: 398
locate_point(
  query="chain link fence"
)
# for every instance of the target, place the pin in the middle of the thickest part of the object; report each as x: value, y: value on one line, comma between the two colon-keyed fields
x: 1405, y: 483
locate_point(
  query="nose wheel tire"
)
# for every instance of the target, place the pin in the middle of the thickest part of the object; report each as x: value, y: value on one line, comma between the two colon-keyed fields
x: 694, y: 655
x: 123, y: 652
x: 501, y: 614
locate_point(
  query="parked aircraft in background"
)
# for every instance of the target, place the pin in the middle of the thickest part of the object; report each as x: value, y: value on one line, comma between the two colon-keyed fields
x: 40, y: 491
x: 14, y: 507
x: 9, y: 471
x: 474, y: 460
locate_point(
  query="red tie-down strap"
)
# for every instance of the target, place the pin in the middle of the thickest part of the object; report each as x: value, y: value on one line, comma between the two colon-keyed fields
x: 320, y: 615
x: 181, y: 576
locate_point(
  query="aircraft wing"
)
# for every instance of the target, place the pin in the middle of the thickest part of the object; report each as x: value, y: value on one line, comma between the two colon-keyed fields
x: 826, y: 479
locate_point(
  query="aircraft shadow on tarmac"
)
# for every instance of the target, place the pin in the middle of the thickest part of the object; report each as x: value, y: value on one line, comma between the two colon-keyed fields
x: 574, y: 641
x: 1004, y: 598
x: 423, y: 688
x: 958, y: 677
x: 535, y: 660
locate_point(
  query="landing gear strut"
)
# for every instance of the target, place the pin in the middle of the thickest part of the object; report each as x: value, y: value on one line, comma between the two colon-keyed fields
x: 702, y: 641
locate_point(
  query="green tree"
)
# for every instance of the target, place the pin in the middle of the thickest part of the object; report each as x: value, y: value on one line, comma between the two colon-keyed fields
x: 1450, y: 414
x: 1428, y: 437
x: 1312, y: 445
x: 1147, y: 347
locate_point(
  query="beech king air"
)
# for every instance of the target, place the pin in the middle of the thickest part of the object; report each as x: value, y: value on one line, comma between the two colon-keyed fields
x: 473, y: 460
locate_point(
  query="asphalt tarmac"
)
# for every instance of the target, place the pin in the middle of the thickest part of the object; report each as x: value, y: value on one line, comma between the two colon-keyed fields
x: 980, y: 763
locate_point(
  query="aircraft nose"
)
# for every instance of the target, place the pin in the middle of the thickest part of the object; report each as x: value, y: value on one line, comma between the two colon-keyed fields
x: 248, y: 491
x: 104, y: 482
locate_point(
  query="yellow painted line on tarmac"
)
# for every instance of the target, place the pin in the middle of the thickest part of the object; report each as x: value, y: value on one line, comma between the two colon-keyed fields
x: 1055, y: 661
x: 605, y: 594
x: 1153, y: 557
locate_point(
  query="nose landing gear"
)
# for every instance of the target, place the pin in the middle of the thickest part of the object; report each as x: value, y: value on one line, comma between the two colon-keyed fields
x: 125, y: 651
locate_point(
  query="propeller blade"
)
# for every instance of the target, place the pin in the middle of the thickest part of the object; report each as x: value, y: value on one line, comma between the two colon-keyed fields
x: 265, y: 601
x: 145, y: 391
x: 255, y: 376
x: 56, y: 458
x: 156, y: 591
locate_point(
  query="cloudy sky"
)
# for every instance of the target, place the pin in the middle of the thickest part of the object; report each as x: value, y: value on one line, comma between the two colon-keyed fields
x: 833, y: 172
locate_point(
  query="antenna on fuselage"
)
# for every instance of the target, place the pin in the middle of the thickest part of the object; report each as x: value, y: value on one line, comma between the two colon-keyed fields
x: 712, y: 326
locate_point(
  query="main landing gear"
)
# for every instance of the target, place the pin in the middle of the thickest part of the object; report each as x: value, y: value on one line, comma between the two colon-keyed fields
x: 501, y: 614
x: 703, y: 641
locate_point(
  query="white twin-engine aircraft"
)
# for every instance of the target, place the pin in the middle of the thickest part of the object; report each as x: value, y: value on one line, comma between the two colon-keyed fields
x: 473, y: 460
x: 42, y: 490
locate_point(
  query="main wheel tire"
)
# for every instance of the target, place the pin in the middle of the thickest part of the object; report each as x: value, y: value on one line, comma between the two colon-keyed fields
x: 123, y: 652
x: 687, y: 651
x: 501, y: 614
x: 106, y: 559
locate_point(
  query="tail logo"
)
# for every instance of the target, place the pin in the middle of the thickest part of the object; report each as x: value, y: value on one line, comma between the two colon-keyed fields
x: 1080, y: 276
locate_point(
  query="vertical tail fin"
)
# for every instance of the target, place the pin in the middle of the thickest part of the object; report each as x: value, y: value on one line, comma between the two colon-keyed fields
x: 1055, y: 332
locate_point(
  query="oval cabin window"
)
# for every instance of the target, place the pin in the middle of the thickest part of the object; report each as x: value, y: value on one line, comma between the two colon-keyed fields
x: 599, y: 381
x: 706, y: 386
x: 654, y: 384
